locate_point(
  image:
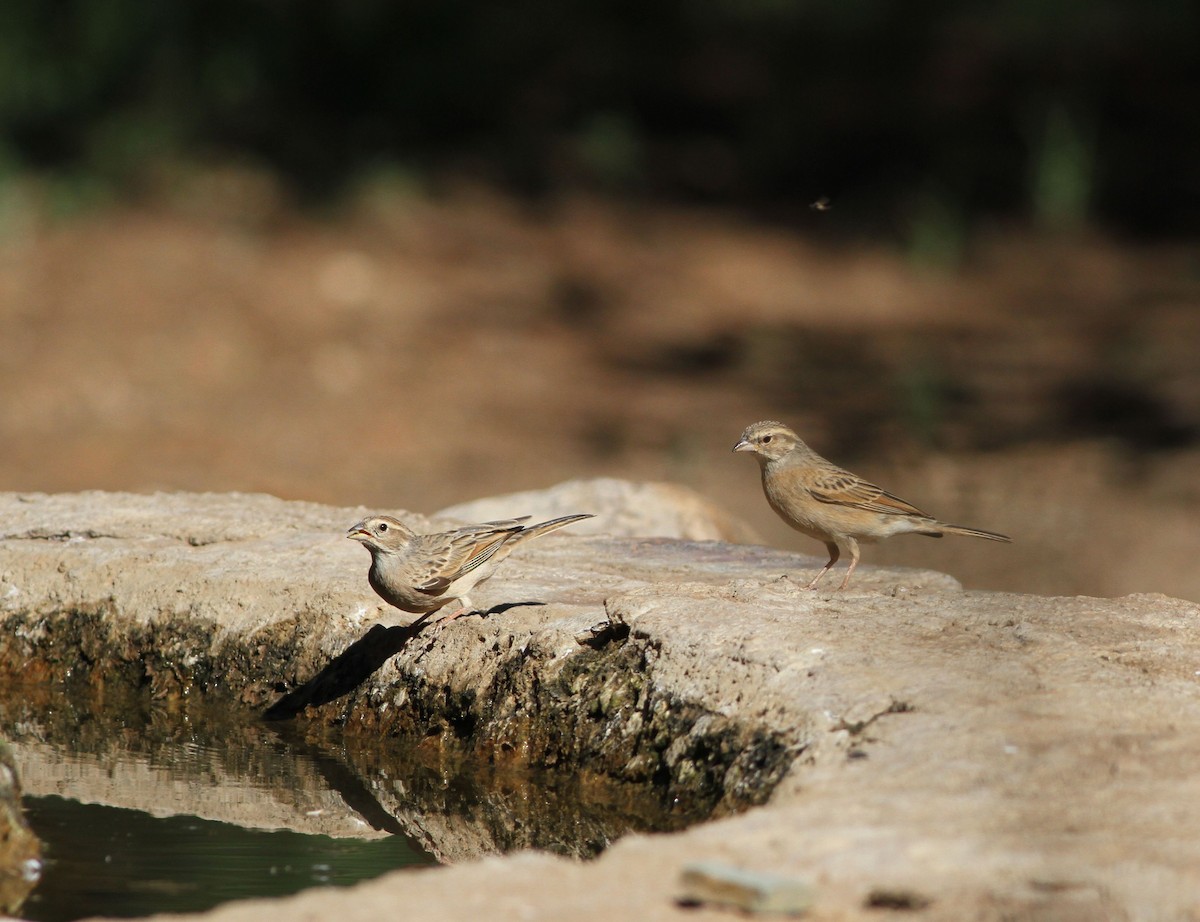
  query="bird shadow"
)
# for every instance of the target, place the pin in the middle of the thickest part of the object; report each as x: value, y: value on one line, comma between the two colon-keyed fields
x: 501, y: 609
x: 349, y: 669
x: 354, y: 665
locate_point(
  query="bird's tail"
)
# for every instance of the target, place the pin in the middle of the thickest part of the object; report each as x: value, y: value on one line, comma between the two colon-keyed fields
x: 972, y: 532
x: 543, y: 527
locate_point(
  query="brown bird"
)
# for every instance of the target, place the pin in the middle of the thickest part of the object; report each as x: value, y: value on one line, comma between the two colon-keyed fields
x: 823, y: 501
x: 423, y: 573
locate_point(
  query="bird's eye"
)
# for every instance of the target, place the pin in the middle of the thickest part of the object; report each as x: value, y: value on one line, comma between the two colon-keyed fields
x: 382, y: 526
x: 765, y: 439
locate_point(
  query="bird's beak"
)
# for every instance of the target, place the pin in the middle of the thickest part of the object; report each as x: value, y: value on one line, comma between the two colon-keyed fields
x: 357, y: 533
x: 743, y: 445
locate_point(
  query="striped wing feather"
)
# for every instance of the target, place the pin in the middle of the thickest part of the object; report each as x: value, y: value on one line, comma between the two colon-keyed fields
x: 842, y: 488
x: 460, y: 552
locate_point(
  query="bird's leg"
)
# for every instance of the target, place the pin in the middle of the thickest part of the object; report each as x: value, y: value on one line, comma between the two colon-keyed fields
x: 834, y: 554
x: 464, y: 606
x: 853, y: 562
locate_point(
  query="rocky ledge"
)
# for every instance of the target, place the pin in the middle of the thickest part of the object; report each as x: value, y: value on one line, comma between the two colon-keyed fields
x: 903, y: 745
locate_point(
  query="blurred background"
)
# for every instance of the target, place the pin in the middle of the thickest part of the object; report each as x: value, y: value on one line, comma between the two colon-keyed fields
x: 406, y: 255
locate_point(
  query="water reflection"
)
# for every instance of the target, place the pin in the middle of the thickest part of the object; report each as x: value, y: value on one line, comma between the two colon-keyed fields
x: 123, y: 862
x: 151, y: 809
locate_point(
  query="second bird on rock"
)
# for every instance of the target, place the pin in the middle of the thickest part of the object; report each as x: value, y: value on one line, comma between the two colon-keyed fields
x: 823, y: 501
x: 424, y: 573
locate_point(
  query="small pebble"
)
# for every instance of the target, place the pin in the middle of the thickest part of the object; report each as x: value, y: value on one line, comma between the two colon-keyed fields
x: 710, y: 883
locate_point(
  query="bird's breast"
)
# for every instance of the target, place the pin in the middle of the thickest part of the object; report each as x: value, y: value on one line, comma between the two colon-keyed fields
x: 399, y: 593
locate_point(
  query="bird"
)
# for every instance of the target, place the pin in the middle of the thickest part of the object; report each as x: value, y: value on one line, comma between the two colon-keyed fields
x: 840, y: 509
x: 422, y: 574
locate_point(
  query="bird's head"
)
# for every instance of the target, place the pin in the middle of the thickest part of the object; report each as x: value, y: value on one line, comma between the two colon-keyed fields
x: 769, y: 440
x: 381, y: 533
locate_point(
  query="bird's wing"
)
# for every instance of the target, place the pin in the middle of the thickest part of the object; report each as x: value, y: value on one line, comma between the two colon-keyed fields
x: 842, y: 488
x: 452, y: 554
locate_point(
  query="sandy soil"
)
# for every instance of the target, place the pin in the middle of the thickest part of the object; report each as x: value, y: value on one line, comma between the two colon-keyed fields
x: 416, y: 352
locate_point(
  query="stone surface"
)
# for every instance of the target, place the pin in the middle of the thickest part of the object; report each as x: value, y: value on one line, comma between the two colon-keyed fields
x: 955, y: 755
x: 622, y: 508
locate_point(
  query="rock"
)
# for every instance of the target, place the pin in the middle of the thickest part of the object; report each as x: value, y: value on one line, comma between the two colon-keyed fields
x: 903, y: 744
x: 622, y: 508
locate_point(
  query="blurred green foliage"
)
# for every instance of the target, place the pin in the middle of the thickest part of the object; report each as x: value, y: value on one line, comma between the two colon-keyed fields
x: 1053, y: 112
x: 1064, y: 168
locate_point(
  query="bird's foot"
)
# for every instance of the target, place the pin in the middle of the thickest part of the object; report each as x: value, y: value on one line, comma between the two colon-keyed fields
x: 440, y: 624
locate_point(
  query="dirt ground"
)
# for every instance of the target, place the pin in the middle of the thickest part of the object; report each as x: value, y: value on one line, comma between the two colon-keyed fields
x: 417, y: 351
